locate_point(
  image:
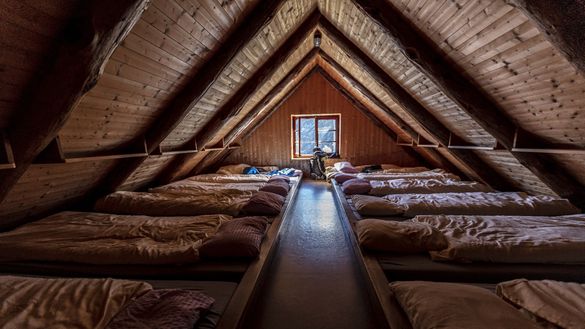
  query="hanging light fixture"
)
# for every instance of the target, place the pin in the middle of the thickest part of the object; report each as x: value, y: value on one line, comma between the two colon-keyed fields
x: 317, y: 39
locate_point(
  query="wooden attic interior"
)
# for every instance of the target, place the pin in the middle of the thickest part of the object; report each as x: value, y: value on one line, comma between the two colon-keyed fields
x: 127, y: 102
x: 100, y: 96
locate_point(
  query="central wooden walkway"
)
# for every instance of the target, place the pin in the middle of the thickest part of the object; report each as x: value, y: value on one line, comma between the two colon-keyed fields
x: 314, y: 280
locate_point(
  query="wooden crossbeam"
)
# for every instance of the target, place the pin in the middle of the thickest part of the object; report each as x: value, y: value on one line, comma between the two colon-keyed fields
x: 450, y: 78
x: 174, y: 170
x: 403, y: 98
x: 73, y: 68
x: 562, y: 23
x: 192, y: 92
x: 405, y: 127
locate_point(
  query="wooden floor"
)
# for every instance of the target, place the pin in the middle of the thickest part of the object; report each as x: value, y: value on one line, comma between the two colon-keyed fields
x: 314, y: 281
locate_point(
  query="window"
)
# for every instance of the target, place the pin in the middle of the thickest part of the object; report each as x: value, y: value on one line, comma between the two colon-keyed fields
x: 310, y: 131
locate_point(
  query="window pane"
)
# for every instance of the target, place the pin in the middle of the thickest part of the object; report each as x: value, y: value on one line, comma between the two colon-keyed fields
x: 307, y: 135
x: 327, y: 132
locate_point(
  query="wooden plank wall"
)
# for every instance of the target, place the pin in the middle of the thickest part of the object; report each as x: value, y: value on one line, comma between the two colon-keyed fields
x: 362, y: 142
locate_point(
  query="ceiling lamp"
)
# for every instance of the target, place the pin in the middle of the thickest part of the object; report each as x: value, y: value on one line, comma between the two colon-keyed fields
x: 317, y: 39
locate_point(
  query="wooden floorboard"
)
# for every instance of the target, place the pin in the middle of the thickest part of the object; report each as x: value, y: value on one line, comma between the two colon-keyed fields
x: 314, y: 280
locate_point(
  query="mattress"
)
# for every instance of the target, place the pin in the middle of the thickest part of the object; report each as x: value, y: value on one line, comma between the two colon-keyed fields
x: 510, y: 239
x: 424, y: 186
x: 96, y: 238
x: 179, y: 202
x: 405, y: 267
x: 38, y: 302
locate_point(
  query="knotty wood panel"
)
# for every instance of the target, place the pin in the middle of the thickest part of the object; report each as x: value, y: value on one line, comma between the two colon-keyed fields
x: 362, y: 142
x: 46, y: 187
x: 29, y: 31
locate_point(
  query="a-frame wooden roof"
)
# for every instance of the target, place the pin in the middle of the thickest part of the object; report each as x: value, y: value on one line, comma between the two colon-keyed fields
x: 125, y: 101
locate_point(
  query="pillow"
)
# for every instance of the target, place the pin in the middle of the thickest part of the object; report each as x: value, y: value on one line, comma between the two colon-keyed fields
x: 454, y: 305
x: 356, y: 186
x: 264, y: 203
x: 279, y: 187
x: 404, y: 237
x: 232, y: 169
x: 368, y: 205
x: 349, y: 170
x: 341, y: 178
x: 342, y: 164
x: 279, y: 177
x: 240, y: 237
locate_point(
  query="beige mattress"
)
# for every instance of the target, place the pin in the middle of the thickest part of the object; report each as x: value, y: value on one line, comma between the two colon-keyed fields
x: 435, y: 173
x: 481, y: 203
x: 424, y: 186
x: 175, y: 203
x: 96, y: 238
x: 64, y: 303
x: 510, y: 239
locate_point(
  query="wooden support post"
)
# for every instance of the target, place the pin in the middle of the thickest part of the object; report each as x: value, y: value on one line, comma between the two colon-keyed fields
x: 72, y: 69
x: 191, y: 93
x: 450, y: 78
x: 562, y: 22
x: 415, y: 109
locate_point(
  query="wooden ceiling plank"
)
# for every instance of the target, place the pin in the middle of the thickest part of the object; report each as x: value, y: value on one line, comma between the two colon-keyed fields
x: 171, y: 171
x: 192, y: 92
x: 562, y: 23
x: 451, y: 79
x: 249, y: 129
x: 418, y: 112
x: 405, y: 127
x: 72, y: 69
x: 367, y: 112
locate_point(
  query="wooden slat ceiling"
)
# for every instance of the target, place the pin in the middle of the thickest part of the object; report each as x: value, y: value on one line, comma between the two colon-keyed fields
x: 500, y: 49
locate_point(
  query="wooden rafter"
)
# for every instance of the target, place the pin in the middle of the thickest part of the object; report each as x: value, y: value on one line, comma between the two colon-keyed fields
x: 73, y: 68
x: 367, y: 112
x: 562, y: 22
x: 403, y: 98
x: 357, y: 87
x: 174, y: 168
x: 192, y: 92
x: 450, y: 78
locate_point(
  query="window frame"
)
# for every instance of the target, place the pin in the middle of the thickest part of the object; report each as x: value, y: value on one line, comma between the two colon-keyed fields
x: 295, y: 154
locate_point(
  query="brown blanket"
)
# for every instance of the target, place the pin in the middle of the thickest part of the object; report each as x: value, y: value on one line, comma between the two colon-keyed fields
x: 97, y: 238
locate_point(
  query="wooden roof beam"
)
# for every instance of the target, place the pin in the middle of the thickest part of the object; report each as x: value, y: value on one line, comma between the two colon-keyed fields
x: 562, y: 22
x: 451, y: 79
x: 403, y: 98
x: 174, y: 169
x: 405, y: 127
x: 192, y: 92
x: 73, y: 68
x: 246, y: 130
x: 367, y: 112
